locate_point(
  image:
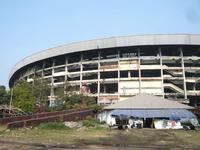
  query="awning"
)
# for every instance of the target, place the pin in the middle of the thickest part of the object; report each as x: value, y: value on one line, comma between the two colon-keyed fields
x: 155, y: 113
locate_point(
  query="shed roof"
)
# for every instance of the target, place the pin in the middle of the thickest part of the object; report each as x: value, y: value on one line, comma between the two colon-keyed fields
x: 144, y: 101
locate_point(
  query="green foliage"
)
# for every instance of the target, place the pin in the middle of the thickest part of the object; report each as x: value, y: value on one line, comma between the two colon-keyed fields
x: 91, y: 123
x: 71, y: 99
x: 4, y: 96
x: 97, y: 108
x: 75, y: 100
x: 41, y: 91
x: 23, y: 97
x: 52, y: 126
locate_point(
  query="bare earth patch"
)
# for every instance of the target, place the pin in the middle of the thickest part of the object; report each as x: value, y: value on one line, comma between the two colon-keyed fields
x: 98, y: 138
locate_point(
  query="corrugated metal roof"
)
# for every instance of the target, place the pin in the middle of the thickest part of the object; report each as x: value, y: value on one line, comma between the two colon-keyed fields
x: 144, y: 101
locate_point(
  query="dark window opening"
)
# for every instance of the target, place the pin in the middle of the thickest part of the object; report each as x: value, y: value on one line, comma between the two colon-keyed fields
x: 123, y: 74
x: 191, y: 51
x: 90, y: 76
x: 109, y: 54
x: 47, y: 80
x: 73, y: 77
x: 106, y: 75
x: 172, y: 63
x: 73, y: 68
x: 128, y: 53
x: 134, y: 73
x: 190, y: 86
x: 93, y: 88
x: 90, y: 55
x: 60, y: 60
x: 109, y: 88
x: 197, y: 86
x: 150, y: 73
x: 47, y: 72
x: 175, y: 83
x: 170, y: 51
x: 38, y: 74
x: 60, y: 69
x: 48, y: 63
x: 130, y: 73
x: 73, y: 58
x: 90, y: 67
x: 149, y: 51
x: 190, y: 74
x: 39, y: 66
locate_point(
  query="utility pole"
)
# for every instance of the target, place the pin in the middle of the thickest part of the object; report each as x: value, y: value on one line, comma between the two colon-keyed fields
x: 11, y: 98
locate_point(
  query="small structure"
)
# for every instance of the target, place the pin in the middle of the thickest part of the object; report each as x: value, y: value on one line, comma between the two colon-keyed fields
x: 149, y: 111
x: 7, y: 111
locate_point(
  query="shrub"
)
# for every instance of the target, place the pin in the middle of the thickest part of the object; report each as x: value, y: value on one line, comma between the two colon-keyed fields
x: 97, y: 108
x: 90, y: 123
x: 53, y: 126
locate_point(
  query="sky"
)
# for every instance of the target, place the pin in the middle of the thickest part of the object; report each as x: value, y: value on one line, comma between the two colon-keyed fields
x: 29, y: 26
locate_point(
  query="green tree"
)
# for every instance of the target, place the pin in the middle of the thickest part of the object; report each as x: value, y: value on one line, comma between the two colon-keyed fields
x: 70, y: 99
x: 41, y: 91
x: 23, y: 97
x: 4, y: 95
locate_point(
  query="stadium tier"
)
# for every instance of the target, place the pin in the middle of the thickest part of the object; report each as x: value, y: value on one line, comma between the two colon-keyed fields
x: 113, y: 69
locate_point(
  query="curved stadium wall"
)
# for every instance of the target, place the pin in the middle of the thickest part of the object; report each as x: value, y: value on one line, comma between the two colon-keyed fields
x: 116, y: 68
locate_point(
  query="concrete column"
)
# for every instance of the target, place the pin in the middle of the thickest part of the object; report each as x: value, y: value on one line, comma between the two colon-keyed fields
x: 118, y: 71
x: 98, y: 87
x: 66, y: 72
x: 43, y: 66
x: 139, y: 70
x: 52, y: 84
x: 183, y: 72
x: 81, y: 71
x: 161, y: 71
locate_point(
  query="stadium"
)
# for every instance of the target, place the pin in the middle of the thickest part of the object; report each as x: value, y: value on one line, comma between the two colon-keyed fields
x: 116, y: 68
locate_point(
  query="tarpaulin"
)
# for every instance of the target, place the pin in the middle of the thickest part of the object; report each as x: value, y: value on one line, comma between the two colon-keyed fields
x: 155, y: 113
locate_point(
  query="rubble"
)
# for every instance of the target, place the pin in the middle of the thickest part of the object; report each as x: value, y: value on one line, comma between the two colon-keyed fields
x: 72, y: 124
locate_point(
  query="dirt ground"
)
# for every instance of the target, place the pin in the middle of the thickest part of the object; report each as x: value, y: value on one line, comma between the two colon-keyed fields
x: 36, y: 146
x: 98, y: 138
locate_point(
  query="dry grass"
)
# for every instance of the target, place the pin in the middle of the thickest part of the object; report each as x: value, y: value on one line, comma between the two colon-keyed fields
x: 103, y: 136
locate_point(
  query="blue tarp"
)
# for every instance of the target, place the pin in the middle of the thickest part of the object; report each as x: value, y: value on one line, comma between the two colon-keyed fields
x: 160, y: 113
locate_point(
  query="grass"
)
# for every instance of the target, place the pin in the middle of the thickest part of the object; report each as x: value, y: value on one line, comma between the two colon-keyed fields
x: 53, y: 126
x: 97, y: 135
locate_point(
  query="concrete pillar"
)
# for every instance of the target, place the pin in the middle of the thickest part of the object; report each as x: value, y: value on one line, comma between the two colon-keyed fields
x: 118, y: 78
x: 52, y: 85
x: 161, y: 71
x: 66, y: 72
x: 139, y: 70
x: 98, y: 86
x: 81, y: 71
x: 183, y: 72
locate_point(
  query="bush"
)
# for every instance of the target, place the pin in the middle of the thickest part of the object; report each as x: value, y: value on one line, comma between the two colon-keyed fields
x: 53, y: 126
x: 90, y: 123
x: 97, y: 108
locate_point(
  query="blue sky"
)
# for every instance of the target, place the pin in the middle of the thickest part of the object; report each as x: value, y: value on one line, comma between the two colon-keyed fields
x: 29, y: 26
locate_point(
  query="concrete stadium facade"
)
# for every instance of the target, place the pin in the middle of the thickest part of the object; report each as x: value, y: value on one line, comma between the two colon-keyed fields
x: 113, y: 69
